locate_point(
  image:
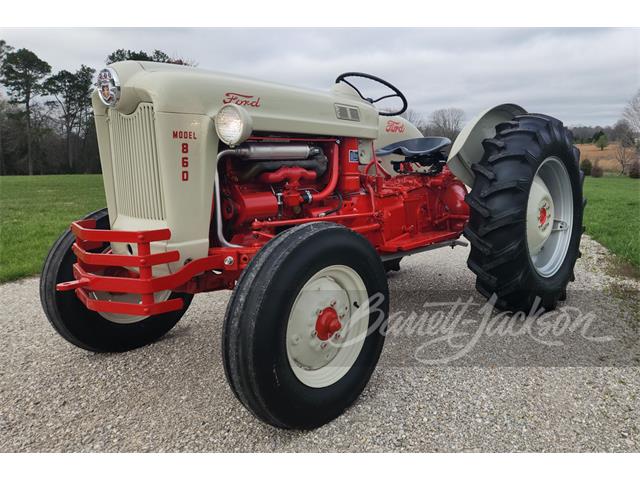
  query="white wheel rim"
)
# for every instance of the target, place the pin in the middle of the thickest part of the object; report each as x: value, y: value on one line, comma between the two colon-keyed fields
x: 549, y: 217
x: 126, y: 298
x: 337, y: 290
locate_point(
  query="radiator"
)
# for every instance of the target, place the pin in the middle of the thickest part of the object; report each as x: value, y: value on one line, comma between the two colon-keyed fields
x: 136, y: 169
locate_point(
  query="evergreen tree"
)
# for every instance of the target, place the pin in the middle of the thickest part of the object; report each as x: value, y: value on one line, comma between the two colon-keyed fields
x: 22, y: 72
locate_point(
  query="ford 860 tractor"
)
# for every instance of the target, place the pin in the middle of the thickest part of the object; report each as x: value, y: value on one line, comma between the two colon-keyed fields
x: 300, y: 201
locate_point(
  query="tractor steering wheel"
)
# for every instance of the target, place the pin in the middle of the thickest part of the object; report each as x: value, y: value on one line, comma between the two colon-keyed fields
x: 396, y: 92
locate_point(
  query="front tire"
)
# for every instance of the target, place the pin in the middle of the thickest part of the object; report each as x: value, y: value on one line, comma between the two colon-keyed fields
x: 526, y: 213
x: 300, y: 338
x: 85, y: 328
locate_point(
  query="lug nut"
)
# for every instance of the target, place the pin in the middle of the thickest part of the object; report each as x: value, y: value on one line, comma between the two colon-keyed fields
x: 228, y: 261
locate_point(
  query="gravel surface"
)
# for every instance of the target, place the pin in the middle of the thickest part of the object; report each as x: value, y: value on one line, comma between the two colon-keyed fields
x: 502, y: 393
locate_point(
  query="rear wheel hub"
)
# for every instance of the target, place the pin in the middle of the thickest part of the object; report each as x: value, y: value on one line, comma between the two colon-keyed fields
x: 549, y: 217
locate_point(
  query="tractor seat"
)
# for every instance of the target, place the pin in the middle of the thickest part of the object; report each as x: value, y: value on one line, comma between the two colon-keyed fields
x: 415, y: 147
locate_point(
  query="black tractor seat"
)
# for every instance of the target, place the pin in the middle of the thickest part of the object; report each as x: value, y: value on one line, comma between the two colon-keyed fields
x: 426, y: 151
x: 416, y: 149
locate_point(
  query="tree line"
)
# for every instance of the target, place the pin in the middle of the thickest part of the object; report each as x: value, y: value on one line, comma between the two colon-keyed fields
x: 624, y: 134
x: 444, y: 122
x: 46, y: 122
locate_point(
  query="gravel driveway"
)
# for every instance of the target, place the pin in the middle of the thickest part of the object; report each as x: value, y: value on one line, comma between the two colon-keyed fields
x: 569, y: 390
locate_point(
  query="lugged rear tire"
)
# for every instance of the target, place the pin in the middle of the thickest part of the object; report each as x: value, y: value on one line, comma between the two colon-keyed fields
x: 497, y: 229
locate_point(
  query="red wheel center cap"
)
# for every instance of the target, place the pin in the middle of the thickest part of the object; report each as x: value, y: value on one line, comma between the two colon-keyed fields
x: 543, y: 216
x: 327, y: 323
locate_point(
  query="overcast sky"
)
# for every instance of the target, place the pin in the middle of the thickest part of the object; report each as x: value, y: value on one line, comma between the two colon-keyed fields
x: 582, y: 76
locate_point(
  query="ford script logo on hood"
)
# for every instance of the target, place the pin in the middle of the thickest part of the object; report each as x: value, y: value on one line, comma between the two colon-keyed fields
x: 394, y: 127
x: 241, y: 99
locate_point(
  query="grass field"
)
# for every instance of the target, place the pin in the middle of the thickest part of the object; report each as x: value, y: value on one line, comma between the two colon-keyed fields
x: 34, y: 211
x: 612, y: 216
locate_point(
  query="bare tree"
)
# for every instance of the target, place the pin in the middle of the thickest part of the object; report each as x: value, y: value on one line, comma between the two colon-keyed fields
x: 446, y: 122
x: 624, y: 155
x: 72, y: 92
x: 417, y: 119
x: 413, y: 117
x: 632, y: 113
x: 623, y: 133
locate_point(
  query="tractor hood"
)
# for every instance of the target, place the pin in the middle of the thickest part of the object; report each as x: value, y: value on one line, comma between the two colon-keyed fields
x: 273, y: 107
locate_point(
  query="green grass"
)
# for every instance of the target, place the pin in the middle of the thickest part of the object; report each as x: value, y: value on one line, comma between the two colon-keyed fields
x: 34, y: 211
x: 612, y: 216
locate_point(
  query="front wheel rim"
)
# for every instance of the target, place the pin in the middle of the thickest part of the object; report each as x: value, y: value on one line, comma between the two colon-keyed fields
x: 133, y: 298
x: 327, y: 326
x: 549, y: 219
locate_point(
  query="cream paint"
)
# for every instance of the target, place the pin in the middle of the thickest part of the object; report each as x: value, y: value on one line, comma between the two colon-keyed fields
x: 467, y: 149
x: 184, y: 101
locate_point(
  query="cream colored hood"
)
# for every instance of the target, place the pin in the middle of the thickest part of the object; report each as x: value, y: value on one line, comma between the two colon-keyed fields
x: 273, y: 107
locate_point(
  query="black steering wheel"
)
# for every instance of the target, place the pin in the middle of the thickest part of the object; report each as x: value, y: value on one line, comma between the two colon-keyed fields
x: 396, y: 92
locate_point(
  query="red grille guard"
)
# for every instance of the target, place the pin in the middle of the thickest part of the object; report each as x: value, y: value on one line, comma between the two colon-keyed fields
x: 145, y: 285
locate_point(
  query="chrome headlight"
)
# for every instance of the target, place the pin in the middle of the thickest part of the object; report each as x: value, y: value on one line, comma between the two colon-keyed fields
x: 233, y: 125
x: 108, y: 86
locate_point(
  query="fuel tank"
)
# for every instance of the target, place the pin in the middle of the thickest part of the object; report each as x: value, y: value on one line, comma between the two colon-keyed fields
x: 392, y: 130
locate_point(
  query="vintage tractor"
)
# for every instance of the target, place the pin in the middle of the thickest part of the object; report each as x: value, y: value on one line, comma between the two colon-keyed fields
x: 299, y: 200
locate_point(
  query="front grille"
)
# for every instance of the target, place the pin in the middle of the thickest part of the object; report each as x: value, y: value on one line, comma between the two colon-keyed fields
x: 135, y: 163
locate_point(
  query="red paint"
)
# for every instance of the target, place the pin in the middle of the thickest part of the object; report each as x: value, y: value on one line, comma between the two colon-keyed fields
x: 288, y: 174
x: 394, y: 126
x: 185, y: 163
x: 349, y: 170
x: 395, y: 214
x: 241, y: 99
x: 184, y: 134
x: 334, y: 174
x: 543, y: 216
x: 251, y: 205
x: 327, y: 323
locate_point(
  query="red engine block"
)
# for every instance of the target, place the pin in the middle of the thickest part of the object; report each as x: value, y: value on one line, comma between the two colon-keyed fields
x: 396, y: 213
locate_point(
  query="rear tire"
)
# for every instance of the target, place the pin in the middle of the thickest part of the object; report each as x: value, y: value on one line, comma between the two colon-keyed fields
x: 85, y: 328
x: 500, y: 228
x: 274, y: 365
